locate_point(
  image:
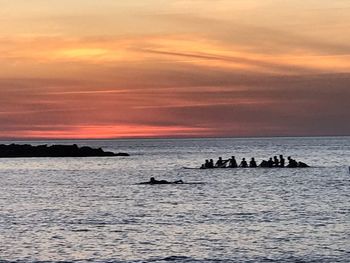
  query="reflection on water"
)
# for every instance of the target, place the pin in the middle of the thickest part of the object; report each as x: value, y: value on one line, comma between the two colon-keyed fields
x: 91, y: 209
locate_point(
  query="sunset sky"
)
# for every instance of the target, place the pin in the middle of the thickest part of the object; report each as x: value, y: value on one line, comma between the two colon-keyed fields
x: 174, y: 68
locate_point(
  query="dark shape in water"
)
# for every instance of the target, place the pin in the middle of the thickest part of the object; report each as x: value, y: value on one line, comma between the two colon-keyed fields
x: 302, y: 165
x: 152, y: 180
x: 27, y: 150
x: 281, y: 161
x: 244, y: 163
x: 292, y: 163
x: 232, y: 162
x: 219, y: 162
x: 270, y: 163
x: 252, y: 163
x: 264, y: 164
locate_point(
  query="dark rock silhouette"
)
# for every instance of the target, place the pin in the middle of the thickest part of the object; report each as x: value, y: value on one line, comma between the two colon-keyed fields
x: 27, y: 150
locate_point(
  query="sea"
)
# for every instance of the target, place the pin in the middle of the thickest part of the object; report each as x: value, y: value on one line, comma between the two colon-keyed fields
x: 95, y: 210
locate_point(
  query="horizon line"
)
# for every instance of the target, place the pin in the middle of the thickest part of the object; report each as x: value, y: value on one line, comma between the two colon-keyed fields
x: 168, y: 138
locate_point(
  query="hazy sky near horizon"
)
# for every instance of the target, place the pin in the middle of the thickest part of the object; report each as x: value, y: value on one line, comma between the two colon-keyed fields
x: 172, y: 68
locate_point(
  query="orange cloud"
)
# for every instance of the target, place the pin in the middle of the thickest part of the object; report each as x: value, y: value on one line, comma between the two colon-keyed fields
x: 109, y: 131
x: 159, y: 49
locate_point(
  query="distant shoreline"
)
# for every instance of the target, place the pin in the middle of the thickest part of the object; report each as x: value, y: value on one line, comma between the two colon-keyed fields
x: 26, y: 150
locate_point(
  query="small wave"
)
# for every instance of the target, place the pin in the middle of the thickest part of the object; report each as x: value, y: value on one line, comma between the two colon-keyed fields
x: 185, y: 259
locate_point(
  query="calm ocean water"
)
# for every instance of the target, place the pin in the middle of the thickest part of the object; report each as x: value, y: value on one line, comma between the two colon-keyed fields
x: 91, y: 210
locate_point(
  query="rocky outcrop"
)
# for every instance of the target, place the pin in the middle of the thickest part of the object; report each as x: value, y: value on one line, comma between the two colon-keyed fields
x: 27, y: 150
